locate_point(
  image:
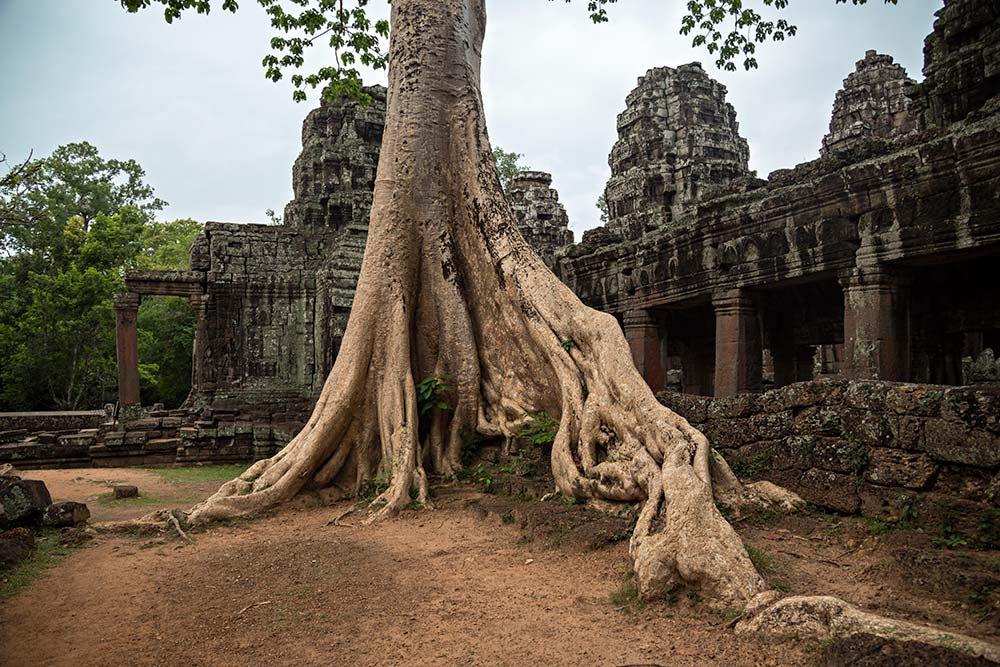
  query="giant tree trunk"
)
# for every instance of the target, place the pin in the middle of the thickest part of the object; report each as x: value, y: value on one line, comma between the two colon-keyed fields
x: 449, y: 287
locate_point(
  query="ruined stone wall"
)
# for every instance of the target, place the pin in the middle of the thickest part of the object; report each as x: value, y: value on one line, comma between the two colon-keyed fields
x: 872, y: 104
x: 884, y: 248
x: 677, y: 139
x: 278, y: 296
x: 961, y: 61
x: 540, y: 217
x: 875, y: 448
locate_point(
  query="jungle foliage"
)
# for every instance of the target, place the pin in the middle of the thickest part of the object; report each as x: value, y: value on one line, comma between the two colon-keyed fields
x: 73, y: 223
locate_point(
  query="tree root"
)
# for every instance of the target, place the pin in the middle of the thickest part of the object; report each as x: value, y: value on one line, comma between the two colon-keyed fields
x: 823, y: 617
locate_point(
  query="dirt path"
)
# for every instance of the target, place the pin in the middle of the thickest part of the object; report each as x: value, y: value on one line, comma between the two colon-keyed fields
x: 431, y: 588
x: 481, y: 580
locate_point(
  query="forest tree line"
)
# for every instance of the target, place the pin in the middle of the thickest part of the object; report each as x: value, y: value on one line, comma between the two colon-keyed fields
x: 71, y: 225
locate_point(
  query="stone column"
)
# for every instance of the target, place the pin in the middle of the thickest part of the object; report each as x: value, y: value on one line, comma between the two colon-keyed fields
x: 127, y: 344
x: 644, y: 340
x: 738, y: 354
x: 873, y: 345
x: 199, y: 303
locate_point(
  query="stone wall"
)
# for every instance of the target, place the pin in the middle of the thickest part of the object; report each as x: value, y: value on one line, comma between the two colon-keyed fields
x: 540, y: 217
x: 50, y: 421
x: 875, y: 448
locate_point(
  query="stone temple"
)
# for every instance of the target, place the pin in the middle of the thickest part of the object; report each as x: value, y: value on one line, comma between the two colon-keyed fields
x: 818, y: 325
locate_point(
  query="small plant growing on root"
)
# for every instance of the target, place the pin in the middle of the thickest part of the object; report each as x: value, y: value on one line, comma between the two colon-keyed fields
x: 432, y: 393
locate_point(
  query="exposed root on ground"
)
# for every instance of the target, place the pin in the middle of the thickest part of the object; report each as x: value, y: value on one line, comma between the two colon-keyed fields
x: 821, y: 617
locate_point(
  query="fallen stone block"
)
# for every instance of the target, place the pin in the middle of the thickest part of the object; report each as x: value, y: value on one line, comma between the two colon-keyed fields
x: 66, y: 513
x: 125, y: 491
x: 22, y: 501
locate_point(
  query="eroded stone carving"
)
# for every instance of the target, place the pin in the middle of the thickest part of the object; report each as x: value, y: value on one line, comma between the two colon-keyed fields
x: 677, y: 138
x: 540, y: 217
x: 872, y: 104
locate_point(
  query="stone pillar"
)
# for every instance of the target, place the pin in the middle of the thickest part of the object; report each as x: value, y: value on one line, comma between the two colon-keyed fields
x: 874, y: 345
x: 738, y: 353
x: 127, y: 344
x: 644, y: 340
x: 199, y: 303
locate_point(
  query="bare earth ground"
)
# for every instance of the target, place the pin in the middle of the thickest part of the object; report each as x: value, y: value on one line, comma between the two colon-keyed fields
x: 481, y: 580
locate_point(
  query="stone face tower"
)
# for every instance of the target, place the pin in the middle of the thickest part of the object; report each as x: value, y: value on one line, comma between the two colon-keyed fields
x: 677, y: 136
x: 540, y: 217
x: 872, y: 104
x: 334, y: 175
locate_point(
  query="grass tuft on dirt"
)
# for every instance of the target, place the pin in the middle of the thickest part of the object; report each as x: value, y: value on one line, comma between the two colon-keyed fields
x: 217, y: 473
x: 141, y: 500
x: 49, y: 552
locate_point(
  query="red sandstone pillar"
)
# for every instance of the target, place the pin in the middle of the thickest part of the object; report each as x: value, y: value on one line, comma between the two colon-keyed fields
x: 643, y: 337
x: 738, y: 354
x: 126, y: 309
x: 873, y: 347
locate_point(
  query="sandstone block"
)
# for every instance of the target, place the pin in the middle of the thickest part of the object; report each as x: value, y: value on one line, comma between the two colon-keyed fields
x: 121, y: 491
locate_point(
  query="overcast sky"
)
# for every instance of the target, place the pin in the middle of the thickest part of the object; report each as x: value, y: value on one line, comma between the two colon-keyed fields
x: 189, y: 101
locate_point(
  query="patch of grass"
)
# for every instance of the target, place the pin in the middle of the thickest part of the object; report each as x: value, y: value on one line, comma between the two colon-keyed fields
x: 480, y: 475
x: 694, y: 598
x: 980, y: 596
x: 760, y: 559
x: 373, y: 487
x: 507, y: 517
x: 948, y: 535
x: 728, y: 614
x: 48, y: 553
x: 951, y: 541
x: 882, y: 526
x: 989, y: 528
x: 220, y: 473
x: 626, y: 596
x: 141, y: 500
x: 780, y: 586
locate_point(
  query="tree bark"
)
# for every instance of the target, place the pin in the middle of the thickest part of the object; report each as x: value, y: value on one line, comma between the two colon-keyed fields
x: 449, y: 287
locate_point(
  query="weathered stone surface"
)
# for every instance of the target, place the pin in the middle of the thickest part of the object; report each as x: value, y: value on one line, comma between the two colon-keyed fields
x: 540, y: 217
x: 872, y: 105
x: 676, y: 138
x: 125, y: 491
x: 66, y: 513
x: 829, y: 489
x: 893, y: 467
x: 961, y: 61
x: 958, y: 443
x: 22, y: 500
x: 881, y: 454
